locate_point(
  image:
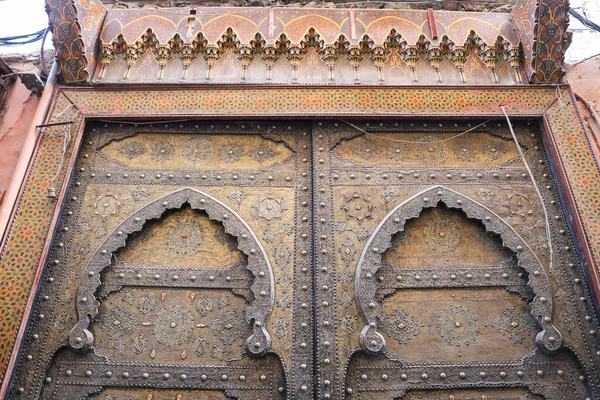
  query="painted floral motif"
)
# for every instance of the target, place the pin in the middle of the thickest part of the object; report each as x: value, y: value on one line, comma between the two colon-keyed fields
x: 398, y: 151
x: 204, y: 305
x: 132, y: 150
x: 442, y: 235
x: 431, y: 150
x: 515, y: 325
x: 117, y: 322
x: 196, y: 151
x: 140, y: 194
x: 106, y: 204
x: 229, y: 326
x: 200, y: 346
x: 366, y: 150
x: 186, y: 237
x: 464, y: 151
x: 139, y: 344
x: 402, y: 326
x: 347, y: 251
x: 146, y: 304
x: 262, y: 153
x: 230, y: 153
x: 282, y: 255
x: 457, y: 325
x: 358, y: 206
x: 173, y: 325
x: 270, y: 208
x: 163, y: 151
x: 494, y: 150
x: 280, y: 327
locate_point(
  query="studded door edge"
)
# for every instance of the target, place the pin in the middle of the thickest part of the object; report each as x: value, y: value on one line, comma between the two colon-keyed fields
x: 134, y: 297
x: 366, y: 186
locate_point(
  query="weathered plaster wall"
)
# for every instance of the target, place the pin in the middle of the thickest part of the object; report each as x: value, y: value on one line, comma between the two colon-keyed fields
x: 15, y: 121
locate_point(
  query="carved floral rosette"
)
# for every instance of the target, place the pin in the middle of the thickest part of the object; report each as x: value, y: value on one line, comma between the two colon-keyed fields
x: 257, y: 311
x: 548, y: 339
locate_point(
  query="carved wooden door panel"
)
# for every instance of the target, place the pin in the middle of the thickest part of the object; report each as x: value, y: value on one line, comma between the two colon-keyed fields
x: 435, y: 275
x: 180, y: 268
x: 393, y: 260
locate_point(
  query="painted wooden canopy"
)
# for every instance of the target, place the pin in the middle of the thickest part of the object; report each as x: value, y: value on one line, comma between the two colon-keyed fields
x: 303, y: 45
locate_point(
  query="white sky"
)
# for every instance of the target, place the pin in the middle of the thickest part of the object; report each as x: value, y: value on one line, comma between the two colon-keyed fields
x: 19, y: 17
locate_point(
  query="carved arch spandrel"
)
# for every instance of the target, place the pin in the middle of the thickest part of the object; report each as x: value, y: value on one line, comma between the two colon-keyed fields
x: 263, y: 286
x: 370, y: 261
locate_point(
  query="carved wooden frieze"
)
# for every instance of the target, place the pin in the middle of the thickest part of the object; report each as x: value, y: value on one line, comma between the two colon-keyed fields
x: 287, y: 45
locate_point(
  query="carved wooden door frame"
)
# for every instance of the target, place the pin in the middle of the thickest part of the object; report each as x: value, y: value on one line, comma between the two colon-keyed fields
x: 564, y: 137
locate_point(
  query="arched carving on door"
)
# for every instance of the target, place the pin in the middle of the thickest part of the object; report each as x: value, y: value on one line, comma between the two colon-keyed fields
x: 365, y: 284
x: 263, y: 287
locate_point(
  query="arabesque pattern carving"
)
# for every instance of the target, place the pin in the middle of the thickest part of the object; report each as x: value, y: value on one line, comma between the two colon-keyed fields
x: 263, y: 287
x: 370, y: 262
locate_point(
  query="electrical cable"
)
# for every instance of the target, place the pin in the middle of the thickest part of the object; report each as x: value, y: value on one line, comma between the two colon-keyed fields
x: 19, y: 40
x: 412, y: 141
x: 535, y: 186
x: 585, y: 21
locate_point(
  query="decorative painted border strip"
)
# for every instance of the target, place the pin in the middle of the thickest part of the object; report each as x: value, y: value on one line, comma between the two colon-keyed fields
x: 271, y: 101
x: 25, y: 249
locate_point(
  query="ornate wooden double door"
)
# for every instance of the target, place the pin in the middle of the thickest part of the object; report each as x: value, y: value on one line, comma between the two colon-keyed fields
x: 325, y: 260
